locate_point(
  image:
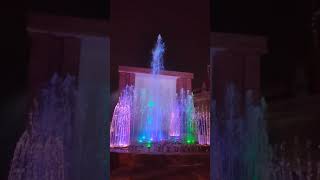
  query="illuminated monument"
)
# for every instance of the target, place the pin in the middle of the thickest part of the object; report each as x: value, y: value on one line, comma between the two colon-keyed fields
x: 155, y: 106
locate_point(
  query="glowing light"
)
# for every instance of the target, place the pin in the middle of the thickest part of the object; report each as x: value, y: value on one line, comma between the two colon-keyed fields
x: 147, y: 114
x: 151, y: 104
x: 174, y: 124
x: 120, y: 125
x: 203, y: 125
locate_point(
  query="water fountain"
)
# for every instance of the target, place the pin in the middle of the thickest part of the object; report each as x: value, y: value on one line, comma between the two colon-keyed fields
x: 121, y: 120
x: 152, y: 113
x: 203, y: 125
x: 241, y: 150
x: 44, y: 151
x: 144, y: 121
x: 240, y: 145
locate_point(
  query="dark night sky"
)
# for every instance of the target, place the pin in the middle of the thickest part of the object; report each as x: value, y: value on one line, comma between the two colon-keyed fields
x: 97, y: 9
x: 285, y: 22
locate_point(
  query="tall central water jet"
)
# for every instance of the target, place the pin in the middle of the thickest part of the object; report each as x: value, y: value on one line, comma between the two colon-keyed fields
x: 153, y: 108
x: 157, y: 56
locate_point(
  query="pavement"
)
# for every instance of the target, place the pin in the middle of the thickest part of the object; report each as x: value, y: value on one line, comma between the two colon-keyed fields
x: 160, y: 167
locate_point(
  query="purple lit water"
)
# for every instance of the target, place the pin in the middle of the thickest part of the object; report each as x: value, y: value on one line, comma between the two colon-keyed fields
x: 152, y: 112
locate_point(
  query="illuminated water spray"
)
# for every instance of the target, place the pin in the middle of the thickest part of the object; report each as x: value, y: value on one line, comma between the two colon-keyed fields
x: 152, y: 111
x: 120, y: 125
x: 157, y: 56
x: 186, y: 117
